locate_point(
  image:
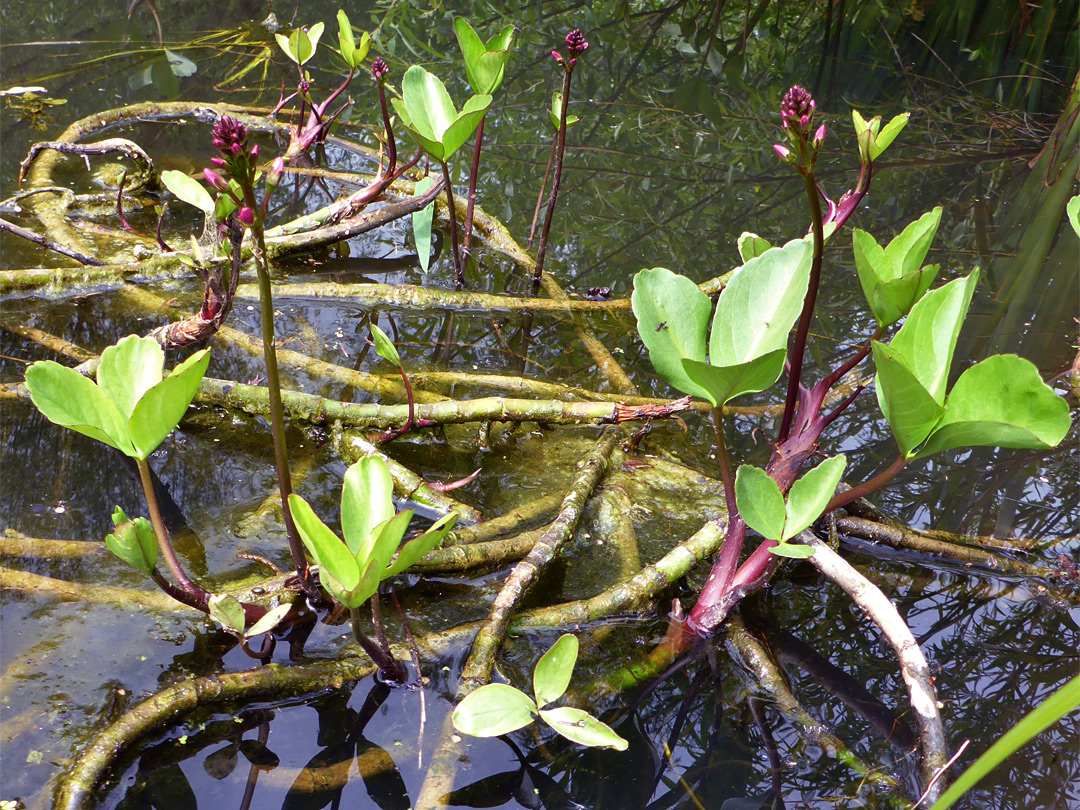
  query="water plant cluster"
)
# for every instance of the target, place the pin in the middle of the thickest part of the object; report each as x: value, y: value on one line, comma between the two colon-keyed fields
x: 715, y: 342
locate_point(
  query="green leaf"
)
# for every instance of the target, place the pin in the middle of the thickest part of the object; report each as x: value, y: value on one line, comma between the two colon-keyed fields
x: 418, y: 547
x: 759, y: 305
x: 794, y: 551
x: 464, y: 125
x: 809, y: 496
x: 300, y: 45
x: 893, y: 279
x: 161, y: 408
x: 751, y: 246
x: 888, y: 134
x: 367, y: 499
x: 555, y: 113
x: 553, y: 670
x: 332, y: 556
x: 270, y: 620
x: 907, y: 251
x: 365, y: 588
x: 421, y: 223
x: 430, y: 116
x: 672, y: 318
x: 863, y: 134
x: 485, y: 64
x: 492, y: 710
x: 67, y: 398
x: 581, y: 727
x: 723, y: 383
x: 188, y: 189
x: 227, y: 611
x: 1073, y: 211
x: 385, y: 539
x: 133, y: 541
x: 384, y: 346
x: 907, y: 406
x: 129, y: 369
x: 352, y: 54
x: 759, y: 501
x: 927, y: 339
x: 1000, y: 402
x: 1050, y: 711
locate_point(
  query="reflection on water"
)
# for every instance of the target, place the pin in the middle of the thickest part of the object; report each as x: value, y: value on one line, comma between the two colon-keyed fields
x: 670, y: 163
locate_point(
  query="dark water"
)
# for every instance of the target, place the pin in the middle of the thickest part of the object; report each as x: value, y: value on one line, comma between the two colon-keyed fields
x: 669, y: 164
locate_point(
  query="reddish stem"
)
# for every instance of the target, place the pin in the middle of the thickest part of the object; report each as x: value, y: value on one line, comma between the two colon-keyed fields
x: 866, y: 487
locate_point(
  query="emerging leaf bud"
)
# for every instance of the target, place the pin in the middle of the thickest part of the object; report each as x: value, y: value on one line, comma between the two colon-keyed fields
x: 246, y: 216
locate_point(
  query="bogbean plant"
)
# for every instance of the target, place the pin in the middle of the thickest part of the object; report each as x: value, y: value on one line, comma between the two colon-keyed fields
x: 1001, y: 401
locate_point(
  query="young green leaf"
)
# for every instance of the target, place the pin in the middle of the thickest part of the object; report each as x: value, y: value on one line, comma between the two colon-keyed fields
x: 751, y: 246
x: 485, y: 64
x: 893, y: 279
x: 809, y: 496
x: 161, y: 408
x: 672, y: 319
x: 555, y: 113
x: 759, y: 501
x: 553, y: 670
x: 129, y: 369
x: 492, y: 710
x: 350, y: 52
x: 189, y: 190
x: 384, y: 346
x: 67, y: 398
x: 421, y: 223
x: 300, y: 45
x: 415, y: 550
x: 1073, y: 211
x: 227, y: 611
x: 332, y: 556
x: 794, y: 551
x: 429, y: 114
x: 385, y: 540
x: 367, y: 499
x: 270, y: 620
x: 581, y: 727
x: 723, y: 383
x: 1000, y: 402
x: 888, y: 134
x: 759, y: 305
x: 133, y: 541
x: 927, y: 339
x: 907, y: 406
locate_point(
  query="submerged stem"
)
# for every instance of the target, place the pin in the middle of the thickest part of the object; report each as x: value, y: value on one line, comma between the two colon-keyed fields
x: 383, y: 659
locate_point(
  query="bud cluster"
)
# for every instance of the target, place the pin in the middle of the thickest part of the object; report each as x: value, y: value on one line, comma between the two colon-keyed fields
x: 575, y: 46
x: 797, y: 110
x: 379, y: 68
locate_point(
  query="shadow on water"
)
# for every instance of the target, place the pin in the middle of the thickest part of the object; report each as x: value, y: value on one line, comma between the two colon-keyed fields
x: 669, y: 164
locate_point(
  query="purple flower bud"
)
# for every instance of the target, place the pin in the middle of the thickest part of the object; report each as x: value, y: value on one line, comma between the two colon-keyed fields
x: 556, y: 56
x: 305, y: 87
x: 218, y: 162
x: 797, y: 111
x: 379, y: 68
x: 254, y: 152
x: 575, y: 42
x: 246, y: 215
x: 819, y: 137
x: 215, y: 180
x: 229, y: 136
x: 783, y: 152
x: 277, y: 168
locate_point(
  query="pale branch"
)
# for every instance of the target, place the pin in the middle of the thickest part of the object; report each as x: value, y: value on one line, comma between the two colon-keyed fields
x: 913, y: 666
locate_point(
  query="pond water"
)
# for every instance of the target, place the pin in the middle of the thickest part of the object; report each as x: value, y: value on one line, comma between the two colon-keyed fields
x: 670, y: 162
